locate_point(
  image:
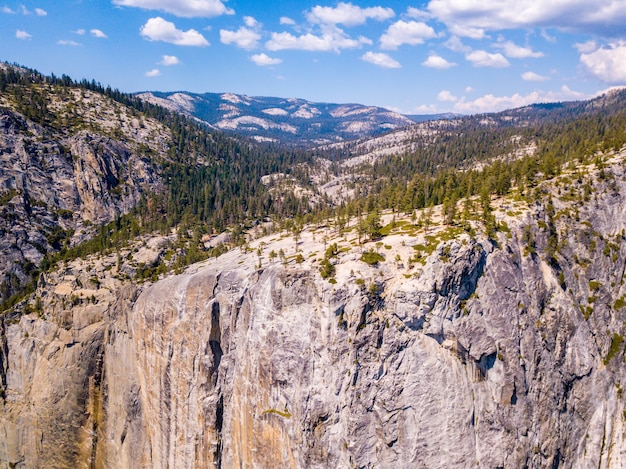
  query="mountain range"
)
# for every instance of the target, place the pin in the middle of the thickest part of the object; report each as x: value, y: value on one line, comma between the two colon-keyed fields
x: 289, y: 121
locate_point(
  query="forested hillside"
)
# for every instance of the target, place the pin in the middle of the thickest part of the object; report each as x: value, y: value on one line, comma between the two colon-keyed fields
x: 153, y: 170
x: 85, y: 168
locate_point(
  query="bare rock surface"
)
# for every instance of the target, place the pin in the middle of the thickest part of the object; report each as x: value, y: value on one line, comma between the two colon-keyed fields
x: 484, y: 353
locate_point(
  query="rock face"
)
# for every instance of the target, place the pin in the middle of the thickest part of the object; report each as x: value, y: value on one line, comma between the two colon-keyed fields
x: 492, y: 353
x: 55, y: 183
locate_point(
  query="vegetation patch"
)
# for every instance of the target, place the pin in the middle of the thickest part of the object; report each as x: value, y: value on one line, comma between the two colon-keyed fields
x: 327, y: 269
x: 372, y: 257
x: 619, y: 303
x: 594, y: 285
x: 616, y: 344
x: 281, y: 413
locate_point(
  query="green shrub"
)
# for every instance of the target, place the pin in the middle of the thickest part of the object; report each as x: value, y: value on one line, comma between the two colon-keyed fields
x: 616, y: 344
x: 619, y: 303
x: 372, y: 258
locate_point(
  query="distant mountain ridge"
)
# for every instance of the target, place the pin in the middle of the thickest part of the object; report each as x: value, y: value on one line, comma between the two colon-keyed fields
x: 288, y: 120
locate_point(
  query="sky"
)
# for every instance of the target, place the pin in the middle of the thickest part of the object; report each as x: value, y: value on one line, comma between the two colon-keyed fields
x: 414, y: 57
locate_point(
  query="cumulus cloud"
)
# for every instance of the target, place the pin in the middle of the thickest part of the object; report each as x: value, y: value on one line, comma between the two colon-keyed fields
x: 514, y: 51
x: 158, y: 29
x: 333, y: 39
x: 19, y: 34
x: 438, y: 62
x: 532, y: 76
x: 456, y: 45
x: 169, y: 60
x: 98, y: 33
x: 425, y: 109
x: 491, y: 103
x: 250, y: 22
x: 481, y: 58
x: 286, y: 20
x: 586, y: 47
x: 65, y: 42
x: 417, y: 14
x: 182, y: 8
x: 446, y: 96
x: 80, y: 32
x: 473, y: 18
x: 406, y: 32
x: 155, y: 72
x: 264, y: 60
x: 380, y: 59
x: 23, y: 10
x: 243, y: 37
x: 348, y: 14
x: 608, y: 63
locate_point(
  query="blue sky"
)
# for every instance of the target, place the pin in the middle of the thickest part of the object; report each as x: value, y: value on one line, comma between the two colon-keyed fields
x: 463, y: 56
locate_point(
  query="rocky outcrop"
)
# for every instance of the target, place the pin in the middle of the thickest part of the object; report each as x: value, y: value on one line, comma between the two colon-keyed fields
x: 54, y: 186
x: 503, y: 352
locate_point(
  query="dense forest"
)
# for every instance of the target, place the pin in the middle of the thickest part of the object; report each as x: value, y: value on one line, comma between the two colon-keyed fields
x: 213, y: 182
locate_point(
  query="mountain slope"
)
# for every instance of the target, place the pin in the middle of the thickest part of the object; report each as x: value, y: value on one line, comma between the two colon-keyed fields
x: 60, y: 177
x: 286, y: 120
x: 454, y: 348
x: 75, y: 157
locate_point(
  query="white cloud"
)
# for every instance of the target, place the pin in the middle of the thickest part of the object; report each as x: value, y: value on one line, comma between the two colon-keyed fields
x: 19, y: 34
x: 244, y: 37
x: 418, y: 14
x: 98, y: 33
x: 348, y: 14
x: 169, y: 60
x: 469, y: 89
x: 491, y: 103
x: 586, y: 47
x: 80, y: 32
x: 286, y: 20
x: 425, y: 109
x: 65, y: 42
x: 155, y: 72
x: 514, y: 51
x: 438, y: 62
x: 40, y: 12
x: 183, y: 8
x: 532, y: 76
x: 464, y: 30
x: 158, y: 29
x: 406, y: 32
x: 250, y: 22
x: 264, y: 60
x: 455, y: 45
x: 607, y: 63
x: 481, y: 58
x: 7, y: 10
x: 447, y: 97
x: 474, y: 17
x: 333, y: 39
x: 380, y: 59
x: 547, y: 37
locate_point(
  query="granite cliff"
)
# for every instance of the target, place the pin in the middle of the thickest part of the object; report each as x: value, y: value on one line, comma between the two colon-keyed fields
x: 61, y: 179
x: 451, y: 348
